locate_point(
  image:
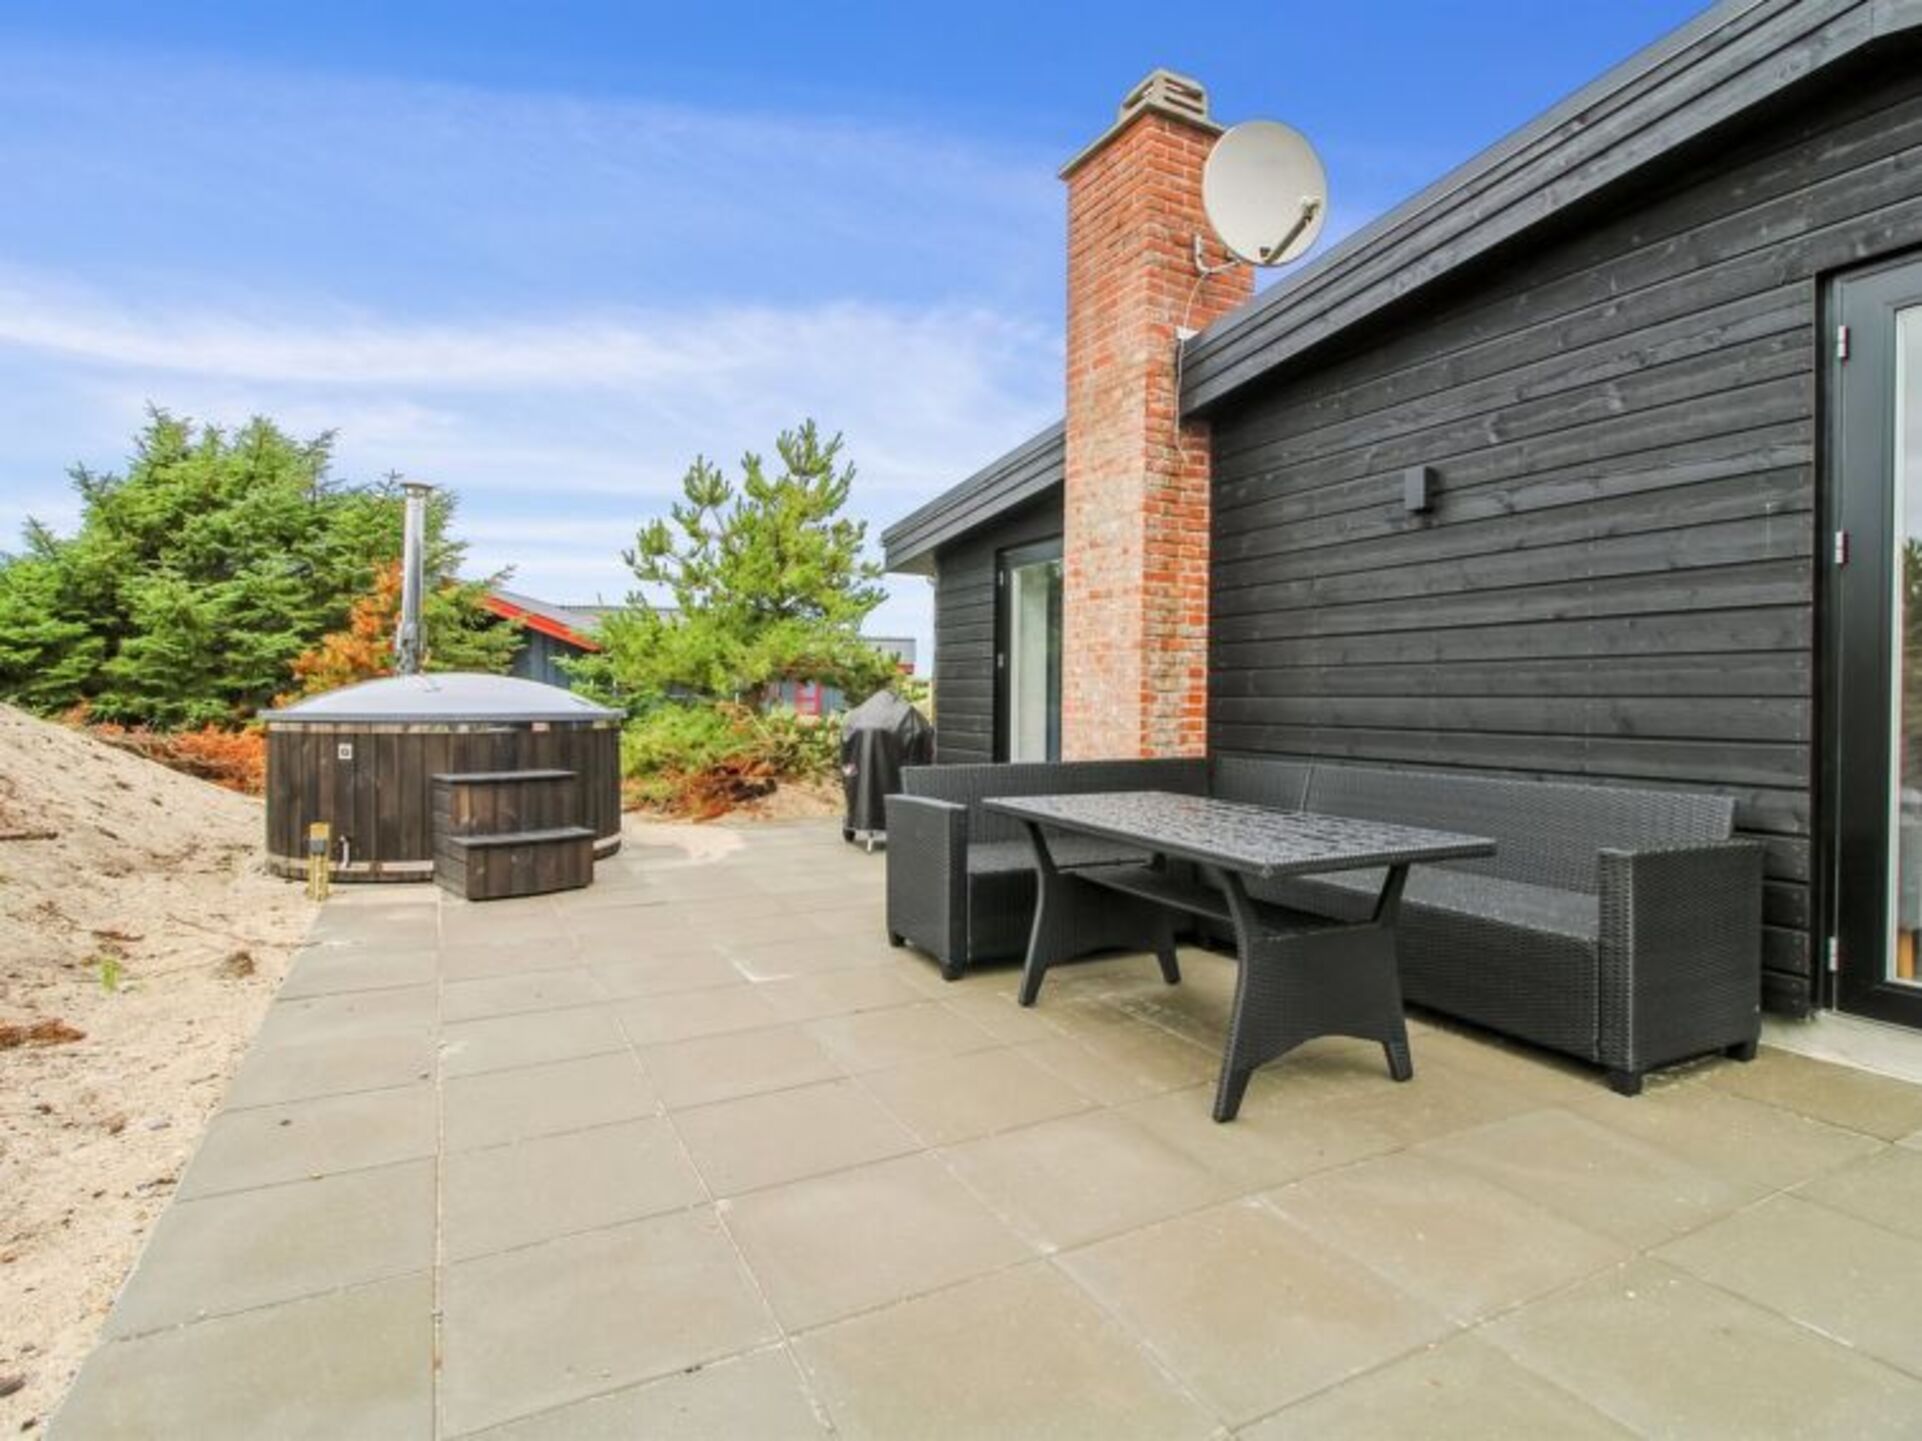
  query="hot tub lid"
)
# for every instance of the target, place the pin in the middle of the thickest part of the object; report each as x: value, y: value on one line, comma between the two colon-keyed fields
x: 444, y: 697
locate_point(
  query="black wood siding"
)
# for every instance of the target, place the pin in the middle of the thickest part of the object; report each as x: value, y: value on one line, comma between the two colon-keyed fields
x: 1618, y: 580
x: 964, y: 628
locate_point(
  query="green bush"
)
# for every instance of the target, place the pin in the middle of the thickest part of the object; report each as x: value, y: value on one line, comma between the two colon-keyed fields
x: 798, y: 747
x: 703, y: 759
x: 677, y: 738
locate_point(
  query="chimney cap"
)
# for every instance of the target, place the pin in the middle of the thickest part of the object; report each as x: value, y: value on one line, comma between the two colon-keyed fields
x: 1164, y: 89
x: 1161, y: 92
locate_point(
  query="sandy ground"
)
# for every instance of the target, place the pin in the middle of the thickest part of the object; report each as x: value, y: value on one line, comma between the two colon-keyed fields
x: 796, y: 801
x: 144, y: 922
x: 789, y: 801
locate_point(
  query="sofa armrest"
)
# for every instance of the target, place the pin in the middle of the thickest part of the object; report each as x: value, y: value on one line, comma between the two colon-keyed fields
x: 1680, y: 952
x: 928, y: 877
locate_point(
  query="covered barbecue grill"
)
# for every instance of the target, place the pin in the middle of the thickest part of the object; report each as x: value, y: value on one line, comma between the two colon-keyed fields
x: 879, y: 737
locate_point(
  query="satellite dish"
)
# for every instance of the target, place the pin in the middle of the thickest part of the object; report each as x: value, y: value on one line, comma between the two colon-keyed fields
x: 1265, y: 192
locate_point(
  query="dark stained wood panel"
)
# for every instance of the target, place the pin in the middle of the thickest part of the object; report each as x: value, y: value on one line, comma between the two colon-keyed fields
x: 1677, y: 99
x: 1620, y: 576
x: 379, y: 796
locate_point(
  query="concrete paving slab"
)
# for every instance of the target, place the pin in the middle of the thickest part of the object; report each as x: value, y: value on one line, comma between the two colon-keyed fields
x: 945, y: 1100
x: 354, y: 920
x: 531, y: 1329
x: 1666, y: 1355
x: 1837, y: 1274
x: 913, y: 1229
x: 1595, y: 1176
x: 303, y: 1140
x: 669, y: 971
x: 838, y: 993
x: 358, y: 1362
x: 1069, y: 1181
x: 874, y: 1040
x: 524, y: 1101
x: 472, y: 960
x: 243, y: 1249
x: 322, y: 970
x: 513, y: 995
x: 1250, y: 1310
x: 1023, y: 1352
x: 1884, y: 1187
x: 272, y: 1075
x: 1859, y: 1100
x: 1461, y: 1390
x: 349, y: 1016
x: 1452, y: 1240
x: 1275, y: 1139
x: 542, y: 1187
x: 766, y: 1140
x: 500, y: 1043
x: 522, y: 1115
x: 755, y: 1397
x: 687, y: 1015
x: 720, y: 1068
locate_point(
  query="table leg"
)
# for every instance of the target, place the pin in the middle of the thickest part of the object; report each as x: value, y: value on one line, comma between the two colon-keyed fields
x: 1294, y: 986
x: 1075, y: 917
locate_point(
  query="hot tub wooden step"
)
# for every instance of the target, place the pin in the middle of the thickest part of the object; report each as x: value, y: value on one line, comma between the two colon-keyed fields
x: 479, y: 803
x: 515, y: 863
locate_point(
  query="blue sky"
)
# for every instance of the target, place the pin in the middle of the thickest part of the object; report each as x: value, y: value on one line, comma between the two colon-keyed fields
x: 545, y: 254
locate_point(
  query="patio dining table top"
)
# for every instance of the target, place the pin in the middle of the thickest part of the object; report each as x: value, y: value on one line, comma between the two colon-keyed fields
x: 1256, y: 841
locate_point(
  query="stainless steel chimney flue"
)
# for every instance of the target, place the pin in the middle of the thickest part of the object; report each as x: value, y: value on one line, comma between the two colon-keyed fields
x: 410, y: 637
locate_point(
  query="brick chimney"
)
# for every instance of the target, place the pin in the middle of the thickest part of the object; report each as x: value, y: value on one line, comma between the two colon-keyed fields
x: 1135, y: 588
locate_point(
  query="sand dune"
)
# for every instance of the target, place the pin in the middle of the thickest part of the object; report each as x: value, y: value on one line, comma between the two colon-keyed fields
x: 132, y: 910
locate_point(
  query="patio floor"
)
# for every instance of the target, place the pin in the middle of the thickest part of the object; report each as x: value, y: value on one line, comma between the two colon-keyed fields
x: 695, y: 1153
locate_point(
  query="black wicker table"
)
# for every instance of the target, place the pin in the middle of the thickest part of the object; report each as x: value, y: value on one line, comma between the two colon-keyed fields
x: 1301, y: 975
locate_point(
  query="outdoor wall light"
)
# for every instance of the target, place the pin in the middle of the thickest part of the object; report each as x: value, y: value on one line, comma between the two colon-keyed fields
x: 1418, y: 489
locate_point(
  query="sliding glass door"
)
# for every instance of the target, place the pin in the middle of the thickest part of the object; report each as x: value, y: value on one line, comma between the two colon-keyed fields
x: 1028, y: 654
x: 1876, y: 642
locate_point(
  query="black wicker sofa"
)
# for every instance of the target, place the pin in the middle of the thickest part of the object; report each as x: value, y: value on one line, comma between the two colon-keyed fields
x: 961, y: 883
x: 1618, y: 925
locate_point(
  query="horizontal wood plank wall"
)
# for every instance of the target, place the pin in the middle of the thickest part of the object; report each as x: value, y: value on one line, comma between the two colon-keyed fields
x: 381, y: 797
x: 964, y: 629
x: 1618, y: 579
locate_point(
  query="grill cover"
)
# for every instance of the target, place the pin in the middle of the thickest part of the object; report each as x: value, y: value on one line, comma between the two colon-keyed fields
x: 879, y: 737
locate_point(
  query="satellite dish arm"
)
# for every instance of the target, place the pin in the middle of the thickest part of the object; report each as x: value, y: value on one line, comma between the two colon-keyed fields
x: 1310, y: 208
x: 1204, y: 269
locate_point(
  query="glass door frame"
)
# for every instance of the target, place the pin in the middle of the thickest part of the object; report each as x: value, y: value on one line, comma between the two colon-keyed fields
x: 1005, y: 563
x: 1858, y: 638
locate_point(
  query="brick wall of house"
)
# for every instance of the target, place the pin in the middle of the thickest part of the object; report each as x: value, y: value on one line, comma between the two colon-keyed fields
x: 1136, y: 522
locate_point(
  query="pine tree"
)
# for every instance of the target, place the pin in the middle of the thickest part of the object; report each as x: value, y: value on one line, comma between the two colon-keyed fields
x: 767, y: 583
x: 195, y: 578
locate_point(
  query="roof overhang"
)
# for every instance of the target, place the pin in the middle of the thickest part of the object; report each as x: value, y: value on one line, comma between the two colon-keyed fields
x: 1023, y: 474
x: 1733, y: 57
x: 534, y: 620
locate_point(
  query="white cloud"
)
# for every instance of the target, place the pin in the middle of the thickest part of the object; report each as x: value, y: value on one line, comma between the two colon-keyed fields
x: 560, y: 435
x: 711, y: 346
x: 589, y: 402
x: 550, y: 303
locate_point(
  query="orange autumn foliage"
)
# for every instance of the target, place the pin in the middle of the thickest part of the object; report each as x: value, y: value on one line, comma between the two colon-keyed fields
x: 233, y: 759
x: 362, y: 650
